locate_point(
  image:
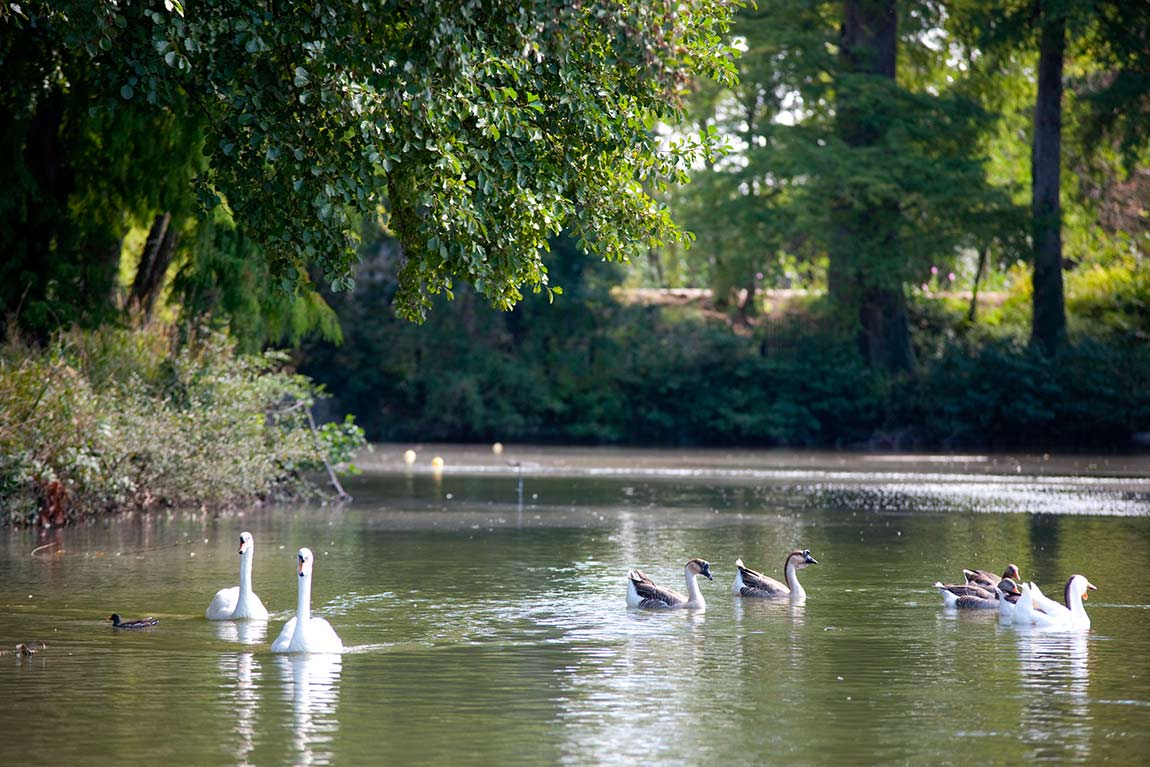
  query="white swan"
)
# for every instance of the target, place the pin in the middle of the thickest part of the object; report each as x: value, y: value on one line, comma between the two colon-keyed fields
x: 1035, y: 609
x: 642, y: 591
x: 239, y: 602
x: 303, y: 633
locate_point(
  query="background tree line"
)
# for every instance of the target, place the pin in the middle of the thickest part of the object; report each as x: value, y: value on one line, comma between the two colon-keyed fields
x: 888, y: 159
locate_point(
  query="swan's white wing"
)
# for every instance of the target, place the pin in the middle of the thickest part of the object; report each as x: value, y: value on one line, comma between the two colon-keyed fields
x: 251, y: 609
x: 321, y: 637
x: 283, y: 641
x: 223, y: 603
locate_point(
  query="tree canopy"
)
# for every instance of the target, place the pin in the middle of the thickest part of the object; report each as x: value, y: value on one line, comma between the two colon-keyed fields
x: 479, y: 128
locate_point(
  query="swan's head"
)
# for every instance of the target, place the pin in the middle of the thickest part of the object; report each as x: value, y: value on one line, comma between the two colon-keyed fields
x: 305, y: 561
x: 1008, y: 586
x: 246, y: 542
x: 700, y: 567
x: 801, y: 559
x: 1078, y: 585
x: 1013, y: 573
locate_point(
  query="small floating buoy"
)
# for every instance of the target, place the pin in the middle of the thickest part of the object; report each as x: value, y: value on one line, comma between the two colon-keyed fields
x: 497, y: 448
x: 437, y: 462
x: 409, y: 456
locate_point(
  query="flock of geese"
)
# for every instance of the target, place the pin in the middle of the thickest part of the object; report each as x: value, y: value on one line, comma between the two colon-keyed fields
x: 1017, y: 602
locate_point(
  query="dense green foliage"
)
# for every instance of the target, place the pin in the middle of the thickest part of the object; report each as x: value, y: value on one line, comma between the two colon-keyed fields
x: 480, y: 128
x: 114, y: 420
x: 591, y: 369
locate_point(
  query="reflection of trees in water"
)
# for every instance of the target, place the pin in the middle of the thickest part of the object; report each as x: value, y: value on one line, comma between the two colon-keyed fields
x: 314, y: 693
x: 244, y: 671
x: 1056, y: 721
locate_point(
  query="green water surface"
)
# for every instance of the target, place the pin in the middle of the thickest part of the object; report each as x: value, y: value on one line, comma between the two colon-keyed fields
x: 486, y: 622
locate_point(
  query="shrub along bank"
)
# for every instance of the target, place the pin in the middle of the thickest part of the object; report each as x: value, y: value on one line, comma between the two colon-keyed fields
x: 115, y: 419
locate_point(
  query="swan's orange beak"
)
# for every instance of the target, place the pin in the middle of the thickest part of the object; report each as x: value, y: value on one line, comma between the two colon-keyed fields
x: 301, y: 567
x: 243, y: 546
x: 1089, y: 587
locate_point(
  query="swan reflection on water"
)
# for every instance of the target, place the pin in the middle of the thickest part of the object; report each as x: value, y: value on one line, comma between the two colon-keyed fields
x: 314, y: 693
x: 243, y: 632
x: 244, y: 672
x: 1055, y: 669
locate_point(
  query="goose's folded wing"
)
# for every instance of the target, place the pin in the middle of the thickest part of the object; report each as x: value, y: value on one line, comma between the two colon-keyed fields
x: 754, y: 581
x: 967, y: 590
x: 983, y: 578
x: 652, y: 595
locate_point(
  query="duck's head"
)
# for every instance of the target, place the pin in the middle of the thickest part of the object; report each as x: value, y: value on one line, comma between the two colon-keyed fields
x: 115, y: 619
x: 1078, y: 585
x: 1013, y: 573
x: 801, y: 559
x: 1008, y: 586
x: 246, y: 542
x: 700, y: 567
x: 305, y: 558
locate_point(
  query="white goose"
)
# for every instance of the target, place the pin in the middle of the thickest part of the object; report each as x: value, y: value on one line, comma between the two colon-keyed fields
x: 239, y: 603
x: 751, y: 583
x: 1035, y: 609
x: 642, y: 591
x: 304, y: 633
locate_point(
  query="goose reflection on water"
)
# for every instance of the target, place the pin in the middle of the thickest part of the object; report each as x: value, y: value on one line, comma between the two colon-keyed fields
x: 314, y: 693
x: 1056, y: 720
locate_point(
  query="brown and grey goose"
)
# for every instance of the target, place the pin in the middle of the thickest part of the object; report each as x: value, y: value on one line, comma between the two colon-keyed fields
x: 642, y: 592
x: 989, y: 580
x: 967, y: 597
x: 751, y: 583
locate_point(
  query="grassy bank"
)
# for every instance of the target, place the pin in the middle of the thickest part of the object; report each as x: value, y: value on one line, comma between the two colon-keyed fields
x: 115, y: 419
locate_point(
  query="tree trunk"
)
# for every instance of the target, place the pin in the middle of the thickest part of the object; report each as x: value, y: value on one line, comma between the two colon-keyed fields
x: 983, y: 256
x: 157, y: 256
x: 870, y: 298
x: 1048, y: 325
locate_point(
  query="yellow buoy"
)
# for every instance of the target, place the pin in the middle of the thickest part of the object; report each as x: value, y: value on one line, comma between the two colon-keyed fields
x: 497, y: 448
x: 409, y: 456
x: 437, y: 462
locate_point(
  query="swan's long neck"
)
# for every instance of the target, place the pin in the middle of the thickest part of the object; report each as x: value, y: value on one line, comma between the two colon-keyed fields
x: 303, y: 604
x: 245, y: 574
x: 797, y: 591
x: 694, y: 594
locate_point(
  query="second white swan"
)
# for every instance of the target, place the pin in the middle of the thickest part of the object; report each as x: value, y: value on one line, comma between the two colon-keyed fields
x: 305, y: 633
x: 239, y: 603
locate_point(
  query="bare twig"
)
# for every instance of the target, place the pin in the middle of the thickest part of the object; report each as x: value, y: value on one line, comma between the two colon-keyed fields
x: 343, y: 495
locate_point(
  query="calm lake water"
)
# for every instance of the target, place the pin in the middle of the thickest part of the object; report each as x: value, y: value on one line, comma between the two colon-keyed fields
x: 487, y: 624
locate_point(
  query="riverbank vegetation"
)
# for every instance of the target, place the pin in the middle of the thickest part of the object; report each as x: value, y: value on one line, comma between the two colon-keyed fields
x: 118, y: 419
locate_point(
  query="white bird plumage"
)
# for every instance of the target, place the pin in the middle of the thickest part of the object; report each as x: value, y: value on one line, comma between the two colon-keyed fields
x: 305, y: 633
x: 239, y: 603
x: 1036, y: 609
